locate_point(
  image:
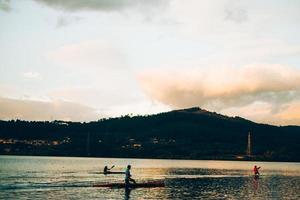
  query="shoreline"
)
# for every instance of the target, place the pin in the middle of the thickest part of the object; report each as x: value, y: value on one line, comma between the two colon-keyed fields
x: 139, y: 158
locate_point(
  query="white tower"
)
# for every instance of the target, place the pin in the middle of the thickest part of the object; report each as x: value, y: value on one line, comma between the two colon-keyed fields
x: 249, y: 145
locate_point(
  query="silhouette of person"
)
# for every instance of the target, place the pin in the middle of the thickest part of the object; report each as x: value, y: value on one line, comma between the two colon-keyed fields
x: 128, y: 178
x: 106, y: 170
x: 255, y: 170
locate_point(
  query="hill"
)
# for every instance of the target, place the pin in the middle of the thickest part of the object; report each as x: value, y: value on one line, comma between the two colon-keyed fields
x: 191, y: 133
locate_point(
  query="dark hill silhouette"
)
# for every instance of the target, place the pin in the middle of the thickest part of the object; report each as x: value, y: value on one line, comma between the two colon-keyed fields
x: 191, y: 133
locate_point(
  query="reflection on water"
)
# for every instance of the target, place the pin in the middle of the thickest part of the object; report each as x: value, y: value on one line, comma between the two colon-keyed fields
x: 57, y: 178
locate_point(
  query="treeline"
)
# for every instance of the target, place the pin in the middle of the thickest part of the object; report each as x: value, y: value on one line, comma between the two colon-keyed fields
x: 189, y: 134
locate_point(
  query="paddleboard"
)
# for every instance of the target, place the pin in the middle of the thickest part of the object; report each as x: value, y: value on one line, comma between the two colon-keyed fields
x: 137, y: 185
x: 113, y: 173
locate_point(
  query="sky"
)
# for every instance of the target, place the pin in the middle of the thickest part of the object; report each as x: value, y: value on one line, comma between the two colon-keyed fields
x: 83, y: 60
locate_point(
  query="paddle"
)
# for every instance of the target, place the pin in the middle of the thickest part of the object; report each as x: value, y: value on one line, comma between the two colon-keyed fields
x: 112, y: 167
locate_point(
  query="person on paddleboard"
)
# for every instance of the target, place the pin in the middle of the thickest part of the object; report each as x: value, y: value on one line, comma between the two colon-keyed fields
x: 106, y: 170
x: 128, y: 178
x: 255, y: 170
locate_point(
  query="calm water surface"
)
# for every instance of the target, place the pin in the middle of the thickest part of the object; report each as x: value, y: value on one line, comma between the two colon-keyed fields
x: 73, y: 178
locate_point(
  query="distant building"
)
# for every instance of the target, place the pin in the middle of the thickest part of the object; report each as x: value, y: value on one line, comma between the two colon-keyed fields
x: 137, y: 145
x: 131, y: 140
x: 155, y: 141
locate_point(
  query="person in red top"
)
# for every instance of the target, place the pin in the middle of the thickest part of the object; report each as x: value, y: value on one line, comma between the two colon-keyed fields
x: 255, y: 170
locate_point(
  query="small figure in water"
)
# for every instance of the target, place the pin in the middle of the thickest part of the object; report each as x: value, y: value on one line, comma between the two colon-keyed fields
x: 106, y: 170
x: 255, y: 170
x: 128, y: 178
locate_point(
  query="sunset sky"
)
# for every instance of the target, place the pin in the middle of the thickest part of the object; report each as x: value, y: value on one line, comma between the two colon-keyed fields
x: 83, y: 60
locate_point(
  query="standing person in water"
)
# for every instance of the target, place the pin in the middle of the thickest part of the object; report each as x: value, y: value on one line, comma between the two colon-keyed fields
x: 128, y: 178
x: 255, y: 170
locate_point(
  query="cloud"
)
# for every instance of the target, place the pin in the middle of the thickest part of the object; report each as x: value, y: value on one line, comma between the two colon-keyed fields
x: 265, y: 112
x: 4, y: 5
x: 237, y: 15
x: 290, y: 114
x: 87, y: 54
x: 9, y: 90
x: 106, y: 96
x: 38, y: 110
x: 31, y: 75
x: 114, y: 101
x: 65, y: 20
x: 100, y: 5
x: 225, y: 88
x: 236, y: 11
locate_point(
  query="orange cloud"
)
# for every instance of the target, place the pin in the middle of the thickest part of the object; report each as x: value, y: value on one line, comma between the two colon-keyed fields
x: 291, y: 114
x: 38, y: 110
x: 226, y: 87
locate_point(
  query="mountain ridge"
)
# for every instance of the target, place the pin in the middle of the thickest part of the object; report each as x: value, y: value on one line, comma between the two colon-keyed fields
x: 191, y: 133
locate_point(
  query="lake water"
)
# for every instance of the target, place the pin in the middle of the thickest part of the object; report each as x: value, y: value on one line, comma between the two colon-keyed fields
x: 26, y: 177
